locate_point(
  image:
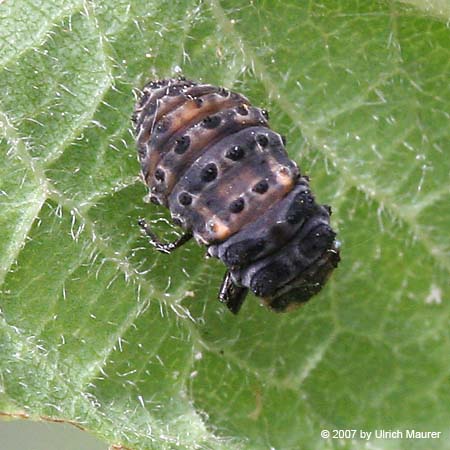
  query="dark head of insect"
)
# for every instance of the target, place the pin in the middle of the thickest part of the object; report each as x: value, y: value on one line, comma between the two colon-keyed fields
x: 210, y: 157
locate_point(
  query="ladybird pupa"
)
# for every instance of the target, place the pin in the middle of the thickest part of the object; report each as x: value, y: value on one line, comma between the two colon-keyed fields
x: 210, y: 157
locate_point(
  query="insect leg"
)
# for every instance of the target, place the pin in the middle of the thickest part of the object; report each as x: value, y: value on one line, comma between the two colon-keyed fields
x: 232, y: 295
x: 156, y: 242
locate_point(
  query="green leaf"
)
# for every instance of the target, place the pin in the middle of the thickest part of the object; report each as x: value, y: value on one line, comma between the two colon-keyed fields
x: 99, y: 330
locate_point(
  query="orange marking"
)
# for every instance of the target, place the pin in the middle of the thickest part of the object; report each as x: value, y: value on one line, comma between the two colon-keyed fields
x: 284, y: 177
x: 217, y: 227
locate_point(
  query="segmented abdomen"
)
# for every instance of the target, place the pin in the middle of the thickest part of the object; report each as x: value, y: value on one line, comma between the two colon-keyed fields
x: 209, y: 156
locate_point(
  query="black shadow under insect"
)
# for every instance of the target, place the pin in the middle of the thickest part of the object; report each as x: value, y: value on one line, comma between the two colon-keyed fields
x: 210, y: 157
